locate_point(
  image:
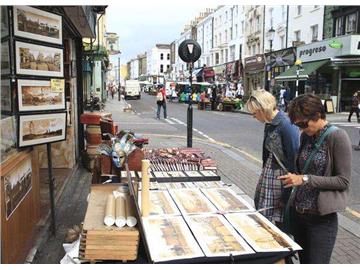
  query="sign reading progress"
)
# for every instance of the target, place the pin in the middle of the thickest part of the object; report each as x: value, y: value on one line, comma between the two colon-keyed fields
x: 189, y: 51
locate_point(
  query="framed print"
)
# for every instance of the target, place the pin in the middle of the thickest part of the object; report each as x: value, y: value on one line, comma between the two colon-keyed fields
x: 8, y: 136
x: 41, y: 128
x: 17, y: 185
x: 36, y: 95
x: 4, y: 22
x: 6, y: 96
x: 37, y: 24
x: 37, y: 60
x: 5, y: 58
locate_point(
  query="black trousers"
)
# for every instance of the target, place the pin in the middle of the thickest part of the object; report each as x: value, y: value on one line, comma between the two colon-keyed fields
x: 353, y: 110
x: 316, y: 235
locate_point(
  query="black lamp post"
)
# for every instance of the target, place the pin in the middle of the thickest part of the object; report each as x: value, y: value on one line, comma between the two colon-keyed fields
x: 271, y: 34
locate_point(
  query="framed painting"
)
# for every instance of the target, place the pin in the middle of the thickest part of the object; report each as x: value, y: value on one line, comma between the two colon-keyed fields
x: 37, y: 60
x: 6, y: 96
x: 41, y: 128
x: 36, y: 95
x: 37, y: 24
x: 17, y: 185
x: 5, y: 58
x: 4, y: 22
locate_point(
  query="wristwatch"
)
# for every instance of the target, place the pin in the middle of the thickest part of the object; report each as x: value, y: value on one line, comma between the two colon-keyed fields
x: 305, y: 179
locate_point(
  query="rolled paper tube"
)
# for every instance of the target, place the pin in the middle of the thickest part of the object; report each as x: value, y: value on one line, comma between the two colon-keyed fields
x: 120, y: 211
x: 109, y: 218
x: 130, y: 212
x: 145, y: 182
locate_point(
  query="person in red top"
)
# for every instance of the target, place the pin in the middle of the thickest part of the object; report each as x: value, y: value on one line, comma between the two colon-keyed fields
x: 161, y: 102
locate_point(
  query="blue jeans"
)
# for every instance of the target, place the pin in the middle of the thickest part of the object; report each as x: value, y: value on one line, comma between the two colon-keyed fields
x: 316, y: 235
x: 159, y: 105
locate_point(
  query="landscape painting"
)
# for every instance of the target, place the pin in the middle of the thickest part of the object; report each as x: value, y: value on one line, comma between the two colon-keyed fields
x: 169, y: 238
x: 260, y: 233
x: 36, y: 95
x: 41, y: 128
x: 37, y: 24
x: 216, y: 236
x: 6, y: 96
x: 38, y: 60
x: 17, y: 185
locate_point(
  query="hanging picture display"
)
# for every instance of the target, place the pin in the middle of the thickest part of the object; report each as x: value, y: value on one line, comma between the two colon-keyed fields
x: 37, y: 24
x: 40, y: 95
x: 32, y: 59
x: 260, y: 233
x: 5, y: 58
x: 41, y: 128
x: 17, y: 185
x: 6, y: 96
x: 169, y: 238
x: 216, y: 236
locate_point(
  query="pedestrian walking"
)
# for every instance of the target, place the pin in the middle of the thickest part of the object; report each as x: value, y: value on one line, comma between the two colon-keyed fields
x: 161, y: 102
x: 321, y: 182
x: 280, y: 144
x: 355, y: 101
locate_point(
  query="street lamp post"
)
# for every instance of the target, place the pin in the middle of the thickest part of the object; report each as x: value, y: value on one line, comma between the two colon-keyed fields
x: 271, y: 34
x: 298, y: 65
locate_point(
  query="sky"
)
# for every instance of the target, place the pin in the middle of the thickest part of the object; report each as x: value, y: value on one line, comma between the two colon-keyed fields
x: 140, y: 27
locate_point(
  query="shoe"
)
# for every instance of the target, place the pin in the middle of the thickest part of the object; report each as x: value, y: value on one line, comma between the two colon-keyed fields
x: 349, y: 120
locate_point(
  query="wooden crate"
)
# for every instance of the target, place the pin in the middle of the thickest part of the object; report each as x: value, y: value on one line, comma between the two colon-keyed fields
x: 100, y: 242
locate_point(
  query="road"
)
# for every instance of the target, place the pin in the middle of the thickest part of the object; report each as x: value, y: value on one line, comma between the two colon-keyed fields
x: 238, y: 130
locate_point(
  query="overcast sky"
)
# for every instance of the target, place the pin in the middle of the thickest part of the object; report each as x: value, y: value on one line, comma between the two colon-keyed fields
x: 140, y: 27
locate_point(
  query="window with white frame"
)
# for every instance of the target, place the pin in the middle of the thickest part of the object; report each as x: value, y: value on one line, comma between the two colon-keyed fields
x: 297, y: 35
x: 251, y: 25
x: 167, y: 67
x: 232, y: 53
x: 258, y: 26
x: 350, y: 23
x: 161, y: 56
x: 168, y: 56
x: 314, y: 32
x: 338, y: 26
x: 282, y: 42
x: 298, y: 9
x: 220, y: 39
x: 161, y: 68
x: 226, y: 56
x: 226, y: 36
x: 242, y: 27
x: 236, y: 31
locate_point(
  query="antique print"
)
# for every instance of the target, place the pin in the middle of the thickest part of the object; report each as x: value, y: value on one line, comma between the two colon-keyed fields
x: 193, y: 174
x: 216, y: 236
x: 6, y: 96
x: 38, y: 60
x: 41, y: 128
x: 161, y: 175
x: 39, y: 96
x: 260, y: 233
x: 5, y: 58
x: 17, y: 185
x: 209, y: 184
x: 192, y: 201
x: 169, y: 238
x: 226, y: 200
x: 8, y: 135
x: 37, y: 24
x: 176, y: 174
x: 175, y: 185
x: 161, y: 203
x: 4, y: 22
x: 208, y: 173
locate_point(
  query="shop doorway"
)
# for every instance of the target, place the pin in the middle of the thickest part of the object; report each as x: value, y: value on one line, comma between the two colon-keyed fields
x: 348, y: 87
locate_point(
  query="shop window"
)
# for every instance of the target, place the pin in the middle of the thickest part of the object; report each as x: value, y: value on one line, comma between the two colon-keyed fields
x: 350, y: 23
x: 314, y: 32
x: 161, y: 56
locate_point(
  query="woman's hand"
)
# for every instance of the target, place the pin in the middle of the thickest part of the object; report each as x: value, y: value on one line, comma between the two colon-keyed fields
x: 290, y: 180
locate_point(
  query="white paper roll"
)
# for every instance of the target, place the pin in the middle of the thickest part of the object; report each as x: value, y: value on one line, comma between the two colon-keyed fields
x: 131, y: 220
x: 109, y: 218
x: 120, y: 220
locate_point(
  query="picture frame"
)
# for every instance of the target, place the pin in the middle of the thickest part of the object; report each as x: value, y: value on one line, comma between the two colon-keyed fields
x: 38, y: 129
x: 4, y: 22
x: 37, y: 24
x: 5, y: 58
x: 38, y: 95
x: 6, y: 96
x: 38, y: 60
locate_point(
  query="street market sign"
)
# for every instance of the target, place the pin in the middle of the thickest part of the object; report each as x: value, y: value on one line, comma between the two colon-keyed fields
x: 330, y: 48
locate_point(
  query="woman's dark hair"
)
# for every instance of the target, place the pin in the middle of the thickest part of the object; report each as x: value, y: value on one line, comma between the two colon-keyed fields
x: 306, y: 107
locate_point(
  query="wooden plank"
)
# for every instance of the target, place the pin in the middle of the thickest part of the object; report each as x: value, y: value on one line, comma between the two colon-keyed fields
x: 111, y: 237
x: 97, y: 256
x: 107, y: 248
x: 114, y: 233
x: 110, y: 242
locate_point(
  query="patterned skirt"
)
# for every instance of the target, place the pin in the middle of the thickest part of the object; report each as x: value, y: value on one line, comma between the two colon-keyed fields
x: 268, y: 192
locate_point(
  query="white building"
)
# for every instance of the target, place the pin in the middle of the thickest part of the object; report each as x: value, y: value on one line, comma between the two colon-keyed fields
x: 305, y: 24
x: 158, y: 60
x: 179, y: 69
x: 134, y: 69
x: 237, y: 31
x: 204, y: 37
x: 276, y: 19
x: 254, y: 16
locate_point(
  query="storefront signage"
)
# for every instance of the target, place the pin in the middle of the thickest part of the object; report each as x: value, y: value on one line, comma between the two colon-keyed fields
x: 256, y: 62
x: 330, y: 48
x: 281, y: 58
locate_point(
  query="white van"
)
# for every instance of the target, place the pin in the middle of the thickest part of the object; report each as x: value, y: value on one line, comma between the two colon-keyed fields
x: 132, y: 89
x: 168, y: 86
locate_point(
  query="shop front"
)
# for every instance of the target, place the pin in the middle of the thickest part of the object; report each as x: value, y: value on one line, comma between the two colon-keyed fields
x: 330, y: 69
x: 254, y: 73
x: 219, y: 71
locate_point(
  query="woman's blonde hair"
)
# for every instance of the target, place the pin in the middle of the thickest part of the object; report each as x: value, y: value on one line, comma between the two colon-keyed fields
x: 261, y: 100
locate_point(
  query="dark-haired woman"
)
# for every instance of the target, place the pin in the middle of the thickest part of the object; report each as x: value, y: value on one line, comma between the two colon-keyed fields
x: 323, y: 166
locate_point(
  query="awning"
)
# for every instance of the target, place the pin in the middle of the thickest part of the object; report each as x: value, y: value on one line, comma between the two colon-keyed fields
x: 197, y: 72
x: 307, y: 68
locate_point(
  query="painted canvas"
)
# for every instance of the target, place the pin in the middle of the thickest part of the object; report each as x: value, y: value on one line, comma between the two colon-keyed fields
x: 169, y: 238
x: 38, y: 60
x: 216, y: 236
x: 260, y: 233
x: 226, y: 200
x: 35, y: 95
x: 192, y: 201
x: 17, y: 185
x: 41, y: 128
x: 37, y: 24
x: 161, y: 203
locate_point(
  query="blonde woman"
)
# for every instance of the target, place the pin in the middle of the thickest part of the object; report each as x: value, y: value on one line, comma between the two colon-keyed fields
x: 280, y: 145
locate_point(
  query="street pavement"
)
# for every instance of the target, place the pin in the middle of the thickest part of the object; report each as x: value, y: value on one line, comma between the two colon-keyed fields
x: 234, y: 140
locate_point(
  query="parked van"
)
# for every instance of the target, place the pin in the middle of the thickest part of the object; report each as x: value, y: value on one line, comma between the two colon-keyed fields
x: 132, y: 89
